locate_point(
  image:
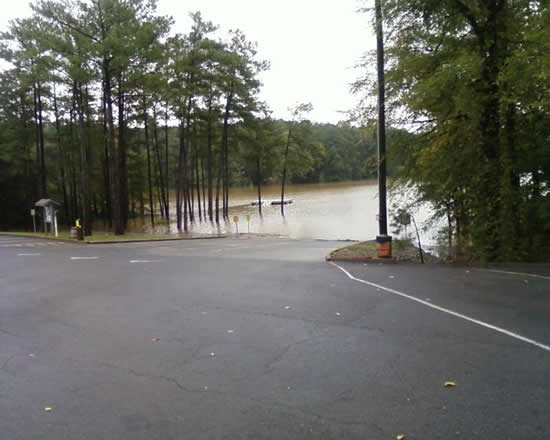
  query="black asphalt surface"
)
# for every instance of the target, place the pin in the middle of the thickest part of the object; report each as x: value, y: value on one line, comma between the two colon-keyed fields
x: 260, y: 338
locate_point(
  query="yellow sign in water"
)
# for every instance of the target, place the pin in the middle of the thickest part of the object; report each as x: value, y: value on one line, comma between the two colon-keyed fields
x: 236, y: 219
x: 247, y: 218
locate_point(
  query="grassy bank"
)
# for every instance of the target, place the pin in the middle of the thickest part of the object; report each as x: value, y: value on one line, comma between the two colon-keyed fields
x: 402, y: 250
x: 102, y: 237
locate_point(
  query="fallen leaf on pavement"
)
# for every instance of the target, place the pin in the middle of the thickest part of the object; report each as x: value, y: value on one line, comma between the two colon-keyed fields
x: 391, y: 276
x: 156, y: 339
x: 449, y: 384
x: 48, y: 409
x: 400, y: 437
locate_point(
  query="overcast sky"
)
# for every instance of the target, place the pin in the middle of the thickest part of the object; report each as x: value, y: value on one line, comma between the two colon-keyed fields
x: 312, y: 45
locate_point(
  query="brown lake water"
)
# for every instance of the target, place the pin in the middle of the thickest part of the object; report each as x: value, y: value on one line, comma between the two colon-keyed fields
x: 330, y: 211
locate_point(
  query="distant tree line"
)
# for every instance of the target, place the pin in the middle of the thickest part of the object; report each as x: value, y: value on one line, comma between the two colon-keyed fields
x: 470, y: 78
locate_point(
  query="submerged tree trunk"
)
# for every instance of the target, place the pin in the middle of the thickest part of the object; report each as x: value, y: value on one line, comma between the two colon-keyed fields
x: 162, y: 187
x: 283, y: 180
x: 179, y: 176
x: 225, y: 155
x: 218, y: 182
x: 210, y: 163
x: 198, y: 185
x: 259, y: 184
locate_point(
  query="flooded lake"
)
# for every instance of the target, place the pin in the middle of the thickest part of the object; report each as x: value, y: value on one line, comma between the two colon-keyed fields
x: 330, y: 211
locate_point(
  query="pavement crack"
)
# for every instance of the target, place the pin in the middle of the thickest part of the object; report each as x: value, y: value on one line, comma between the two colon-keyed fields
x: 304, y: 412
x: 283, y: 352
x: 6, y: 362
x: 7, y: 333
x: 171, y: 380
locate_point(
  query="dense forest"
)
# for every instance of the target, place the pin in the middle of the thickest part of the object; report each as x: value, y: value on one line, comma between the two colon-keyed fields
x: 106, y: 110
x: 470, y: 80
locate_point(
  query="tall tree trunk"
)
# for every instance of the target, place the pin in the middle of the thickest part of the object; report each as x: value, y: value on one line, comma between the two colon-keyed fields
x: 187, y: 143
x: 36, y: 141
x: 490, y: 51
x: 118, y: 222
x: 106, y: 161
x: 40, y: 166
x: 225, y: 154
x: 285, y: 159
x: 141, y: 204
x: 191, y: 189
x: 106, y: 66
x: 61, y: 158
x: 259, y: 184
x: 218, y: 182
x: 180, y: 175
x: 123, y: 170
x: 161, y: 185
x: 72, y: 173
x: 204, y: 184
x: 210, y: 163
x: 149, y: 179
x: 197, y: 184
x: 43, y: 186
x: 89, y: 158
x: 166, y: 173
x: 84, y: 162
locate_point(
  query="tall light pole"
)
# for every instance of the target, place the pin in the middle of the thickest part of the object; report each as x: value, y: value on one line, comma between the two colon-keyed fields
x: 383, y: 241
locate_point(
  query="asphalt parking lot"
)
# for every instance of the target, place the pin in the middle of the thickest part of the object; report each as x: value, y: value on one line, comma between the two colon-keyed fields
x: 261, y: 338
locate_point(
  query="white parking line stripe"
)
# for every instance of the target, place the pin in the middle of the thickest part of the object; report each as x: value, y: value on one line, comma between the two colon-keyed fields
x: 507, y: 272
x: 84, y: 258
x: 444, y: 310
x: 144, y: 261
x: 28, y: 255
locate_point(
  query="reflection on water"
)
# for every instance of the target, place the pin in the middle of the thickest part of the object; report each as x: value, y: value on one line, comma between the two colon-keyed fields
x: 331, y: 211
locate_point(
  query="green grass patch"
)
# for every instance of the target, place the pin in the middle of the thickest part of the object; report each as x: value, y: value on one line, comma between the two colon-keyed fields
x: 101, y: 236
x: 403, y: 250
x: 62, y: 235
x: 363, y: 249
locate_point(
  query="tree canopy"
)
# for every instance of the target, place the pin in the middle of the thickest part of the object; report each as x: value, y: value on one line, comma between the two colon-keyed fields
x: 470, y: 79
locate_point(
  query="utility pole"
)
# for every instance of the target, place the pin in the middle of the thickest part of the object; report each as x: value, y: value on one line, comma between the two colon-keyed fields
x: 383, y: 241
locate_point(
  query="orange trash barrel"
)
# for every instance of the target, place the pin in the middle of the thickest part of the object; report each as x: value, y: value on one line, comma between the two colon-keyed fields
x: 383, y: 246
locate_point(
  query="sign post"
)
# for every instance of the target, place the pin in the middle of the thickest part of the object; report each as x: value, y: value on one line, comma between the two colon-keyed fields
x: 248, y: 220
x: 236, y: 220
x: 33, y: 213
x: 55, y: 231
